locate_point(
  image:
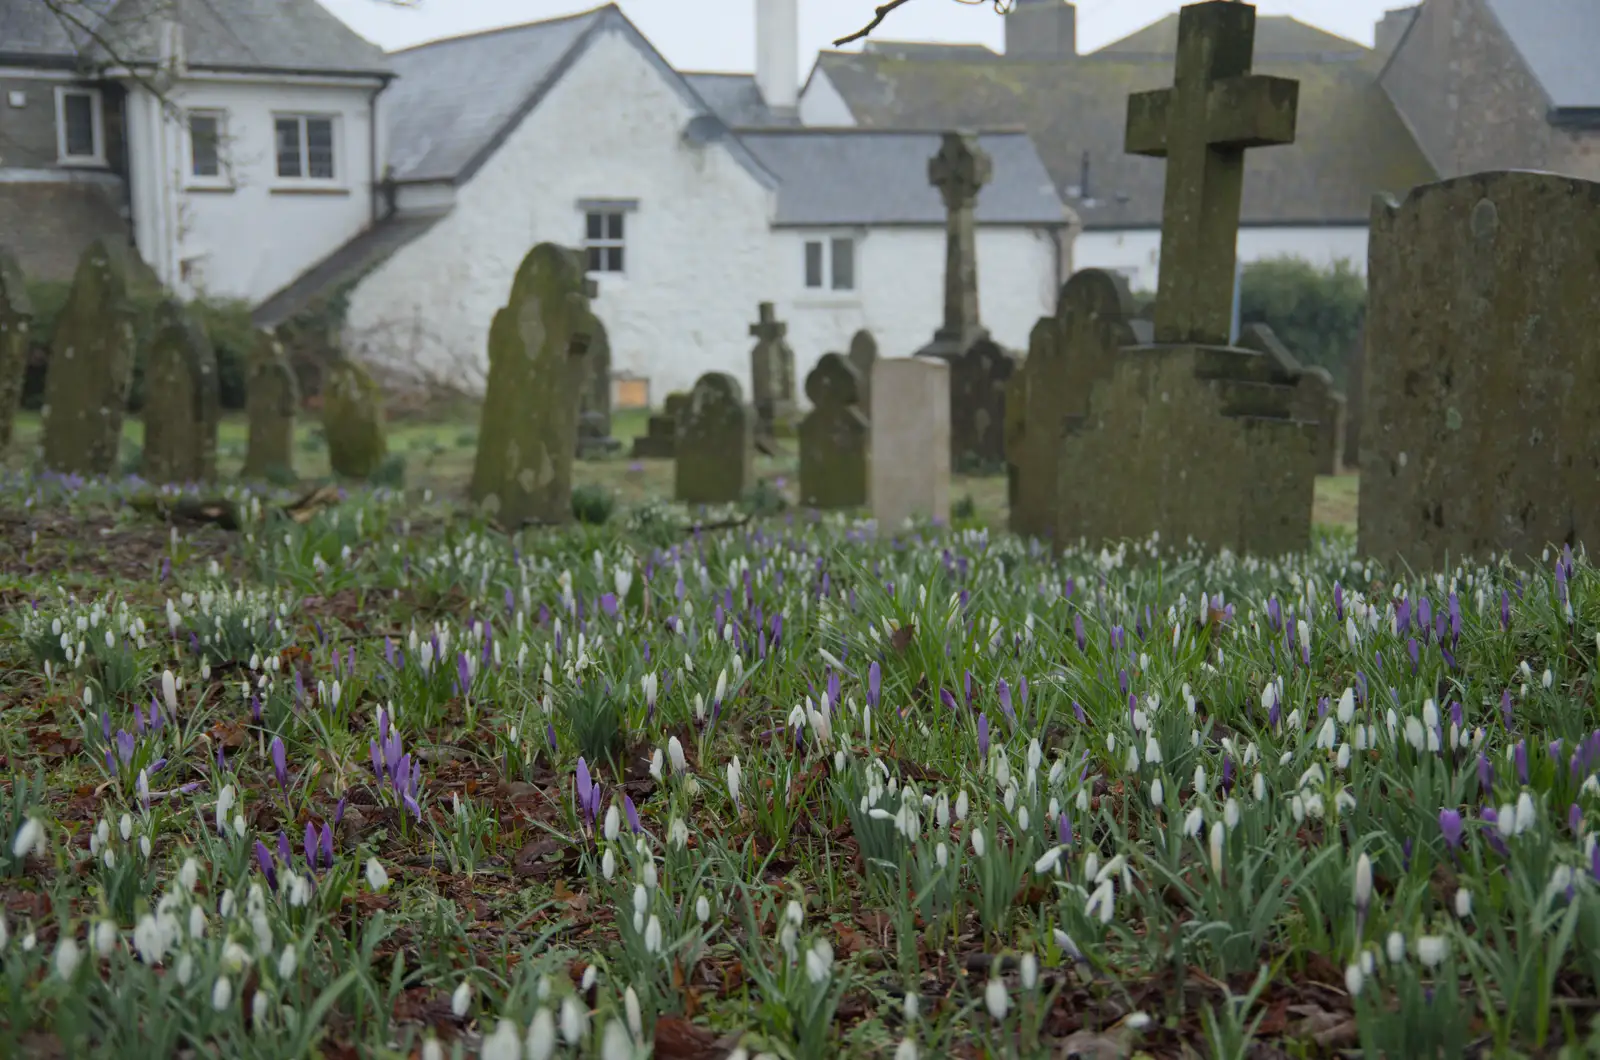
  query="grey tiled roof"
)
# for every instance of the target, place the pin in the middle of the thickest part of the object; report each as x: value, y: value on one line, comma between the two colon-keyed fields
x: 1557, y: 39
x: 284, y: 36
x: 880, y: 177
x: 915, y: 49
x: 736, y: 99
x: 351, y: 261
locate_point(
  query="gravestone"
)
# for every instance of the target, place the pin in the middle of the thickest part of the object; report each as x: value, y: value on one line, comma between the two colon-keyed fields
x: 1189, y: 436
x: 771, y: 380
x: 833, y: 438
x: 716, y: 439
x: 660, y: 440
x: 910, y: 432
x: 352, y: 420
x: 91, y: 365
x: 272, y: 397
x: 863, y: 353
x: 537, y: 345
x: 1016, y: 436
x: 16, y: 321
x: 1354, y: 375
x: 1482, y: 409
x: 978, y: 405
x: 1067, y: 353
x: 182, y: 399
x: 594, y: 410
x: 1315, y: 399
x: 959, y: 171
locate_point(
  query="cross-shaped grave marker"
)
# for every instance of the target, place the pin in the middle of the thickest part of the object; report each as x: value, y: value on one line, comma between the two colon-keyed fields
x: 959, y: 170
x: 768, y: 328
x: 1215, y: 110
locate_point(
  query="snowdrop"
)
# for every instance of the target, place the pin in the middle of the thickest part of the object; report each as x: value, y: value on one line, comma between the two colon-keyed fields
x: 996, y: 1000
x: 503, y: 1043
x: 541, y: 1041
x: 461, y: 1000
x: 377, y: 878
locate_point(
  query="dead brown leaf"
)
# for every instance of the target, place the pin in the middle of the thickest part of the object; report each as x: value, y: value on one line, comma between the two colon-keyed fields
x: 901, y: 638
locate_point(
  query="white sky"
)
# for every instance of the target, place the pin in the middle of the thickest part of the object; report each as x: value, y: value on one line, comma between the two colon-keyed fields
x: 720, y: 34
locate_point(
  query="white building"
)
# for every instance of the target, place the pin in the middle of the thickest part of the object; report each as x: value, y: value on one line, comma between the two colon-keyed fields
x: 235, y: 140
x: 696, y: 197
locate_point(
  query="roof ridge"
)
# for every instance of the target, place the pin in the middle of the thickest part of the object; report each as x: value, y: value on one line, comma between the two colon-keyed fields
x: 592, y: 12
x: 1009, y: 129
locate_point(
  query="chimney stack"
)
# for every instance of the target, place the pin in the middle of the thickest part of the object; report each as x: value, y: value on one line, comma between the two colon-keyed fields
x: 778, y: 54
x: 1041, y: 29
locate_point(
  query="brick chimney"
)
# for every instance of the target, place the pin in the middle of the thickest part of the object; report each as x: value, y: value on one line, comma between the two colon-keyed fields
x: 778, y: 53
x: 1041, y: 29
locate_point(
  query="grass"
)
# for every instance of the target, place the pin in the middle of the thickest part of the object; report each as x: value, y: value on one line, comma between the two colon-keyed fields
x: 377, y: 780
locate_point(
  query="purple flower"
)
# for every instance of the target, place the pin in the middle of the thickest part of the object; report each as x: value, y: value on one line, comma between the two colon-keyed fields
x: 463, y: 674
x: 947, y: 698
x: 1575, y: 819
x: 1450, y: 825
x: 1227, y: 774
x: 1117, y: 638
x: 1338, y: 601
x: 311, y: 846
x: 1491, y: 819
x: 1505, y: 708
x: 1412, y: 647
x: 338, y: 814
x: 255, y: 709
x: 1505, y: 610
x: 1077, y: 710
x: 1064, y: 829
x: 1022, y: 691
x: 280, y: 766
x: 1077, y: 631
x: 983, y: 736
x: 608, y: 604
x: 388, y: 649
x: 1519, y: 754
x: 285, y: 852
x: 874, y: 683
x: 1485, y: 776
x: 585, y: 784
x: 633, y: 814
x: 264, y: 862
x: 1004, y: 691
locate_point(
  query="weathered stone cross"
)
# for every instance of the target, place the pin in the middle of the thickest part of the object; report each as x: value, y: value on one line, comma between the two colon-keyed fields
x: 768, y: 328
x: 1202, y: 125
x: 959, y: 170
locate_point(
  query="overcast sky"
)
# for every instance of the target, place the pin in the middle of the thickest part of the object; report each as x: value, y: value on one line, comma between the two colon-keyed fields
x: 719, y: 34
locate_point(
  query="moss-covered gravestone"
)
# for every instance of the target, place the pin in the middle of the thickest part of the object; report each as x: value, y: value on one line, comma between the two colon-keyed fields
x: 352, y: 420
x: 594, y: 406
x: 833, y: 438
x: 716, y: 440
x: 91, y: 366
x: 16, y: 320
x: 978, y: 404
x: 660, y: 440
x: 1315, y: 400
x: 272, y: 398
x: 537, y: 345
x: 182, y: 400
x: 863, y: 353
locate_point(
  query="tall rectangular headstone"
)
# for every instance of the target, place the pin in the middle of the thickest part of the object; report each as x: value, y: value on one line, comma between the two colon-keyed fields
x: 833, y: 438
x: 660, y: 440
x: 91, y: 366
x: 910, y: 433
x: 716, y: 443
x: 353, y: 420
x: 1482, y: 414
x: 182, y: 400
x: 272, y: 397
x: 16, y: 321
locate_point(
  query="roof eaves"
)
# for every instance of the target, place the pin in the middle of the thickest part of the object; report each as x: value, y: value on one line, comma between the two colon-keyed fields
x: 345, y: 73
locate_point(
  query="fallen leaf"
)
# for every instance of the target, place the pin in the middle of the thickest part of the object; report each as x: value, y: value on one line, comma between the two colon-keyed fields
x: 678, y: 1039
x: 1087, y: 1045
x: 577, y: 902
x: 901, y: 638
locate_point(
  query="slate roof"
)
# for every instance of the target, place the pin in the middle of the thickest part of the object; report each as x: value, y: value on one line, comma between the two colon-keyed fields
x: 351, y: 261
x: 1557, y: 39
x: 880, y: 177
x: 912, y: 49
x: 736, y: 99
x: 456, y: 100
x: 267, y: 36
x: 1277, y: 37
x: 1351, y: 142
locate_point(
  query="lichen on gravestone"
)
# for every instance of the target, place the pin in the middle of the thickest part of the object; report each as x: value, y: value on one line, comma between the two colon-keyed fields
x: 16, y: 322
x: 833, y: 438
x: 91, y: 366
x: 353, y: 421
x: 528, y: 430
x: 272, y: 397
x: 182, y: 401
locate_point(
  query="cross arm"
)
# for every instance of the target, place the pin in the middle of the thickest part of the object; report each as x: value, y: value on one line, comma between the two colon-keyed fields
x: 1252, y: 111
x: 1148, y: 117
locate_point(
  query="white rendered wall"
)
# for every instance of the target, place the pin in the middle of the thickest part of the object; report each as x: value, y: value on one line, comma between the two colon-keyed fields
x: 822, y: 105
x: 698, y: 248
x: 1137, y: 252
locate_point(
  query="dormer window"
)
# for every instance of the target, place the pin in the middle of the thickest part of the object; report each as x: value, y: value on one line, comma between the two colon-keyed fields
x: 80, y: 127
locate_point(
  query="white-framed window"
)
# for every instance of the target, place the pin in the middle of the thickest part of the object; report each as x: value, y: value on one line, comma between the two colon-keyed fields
x: 603, y: 239
x: 830, y: 264
x: 306, y: 146
x: 207, y: 129
x: 80, y: 127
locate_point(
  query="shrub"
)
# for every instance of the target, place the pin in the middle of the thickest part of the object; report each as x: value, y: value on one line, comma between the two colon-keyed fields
x: 391, y: 472
x: 1317, y: 312
x: 593, y: 504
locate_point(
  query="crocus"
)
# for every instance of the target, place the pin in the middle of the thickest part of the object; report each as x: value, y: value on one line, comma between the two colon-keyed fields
x: 983, y: 737
x: 280, y: 765
x: 1450, y: 826
x: 874, y: 683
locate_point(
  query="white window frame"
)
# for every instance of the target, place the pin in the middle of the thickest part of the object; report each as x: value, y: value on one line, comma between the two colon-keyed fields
x: 606, y: 242
x: 827, y: 242
x: 335, y: 142
x: 97, y: 121
x: 223, y: 177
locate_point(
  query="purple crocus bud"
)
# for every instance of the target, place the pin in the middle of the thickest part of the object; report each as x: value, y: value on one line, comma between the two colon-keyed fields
x: 1520, y: 756
x: 1077, y: 631
x: 1412, y: 647
x: 285, y: 852
x: 1004, y: 691
x: 511, y: 601
x: 1402, y: 616
x: 550, y: 734
x: 322, y: 637
x: 1064, y: 829
x: 1322, y: 707
x: 1425, y: 616
x: 105, y: 726
x: 1485, y: 776
x: 1405, y: 854
x: 280, y: 766
x: 1117, y: 637
x: 338, y: 812
x: 1505, y: 610
x: 1491, y: 832
x: 1122, y: 681
x: 412, y: 805
x: 874, y: 683
x: 166, y: 568
x: 947, y: 698
x: 1594, y: 863
x: 463, y: 674
x: 966, y: 686
x: 1455, y: 713
x: 1575, y: 819
x: 1227, y: 774
x: 983, y: 736
x: 1450, y: 826
x: 608, y: 604
x: 400, y: 773
x: 1361, y: 687
x: 311, y: 846
x: 138, y: 721
x: 1274, y: 613
x: 264, y: 863
x: 633, y: 814
x: 1077, y: 711
x: 255, y: 709
x: 1555, y: 750
x: 299, y: 687
x: 1338, y: 601
x: 833, y: 692
x: 1274, y: 713
x: 126, y: 743
x: 585, y: 784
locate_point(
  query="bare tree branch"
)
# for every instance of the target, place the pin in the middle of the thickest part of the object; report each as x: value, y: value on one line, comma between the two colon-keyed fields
x: 883, y: 10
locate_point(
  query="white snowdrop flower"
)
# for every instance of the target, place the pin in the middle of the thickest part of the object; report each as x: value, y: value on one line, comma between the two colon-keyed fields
x: 996, y: 999
x: 1269, y: 696
x: 226, y: 903
x: 1258, y: 787
x: 906, y: 1050
x: 169, y: 691
x: 1297, y: 806
x: 540, y: 1043
x: 657, y: 760
x: 1549, y: 677
x: 461, y: 999
x: 1133, y: 759
x: 1432, y: 950
x: 1230, y: 813
x: 615, y: 1044
x: 221, y: 993
x: 68, y: 957
x: 634, y: 1014
x: 1395, y: 947
x: 287, y: 960
x: 941, y: 855
x: 1199, y: 778
x: 1463, y: 903
x: 105, y: 938
x: 961, y: 805
x: 29, y: 839
x: 1029, y: 971
x: 1152, y: 750
x: 1341, y: 762
x: 652, y: 934
x: 1506, y: 823
x: 913, y: 1004
x: 1082, y: 801
x: 197, y: 922
x: 1049, y: 861
x: 144, y: 846
x: 734, y: 774
x: 1193, y: 822
x: 185, y: 969
x: 1369, y: 963
x: 1102, y: 903
x: 819, y: 962
x: 675, y: 755
x: 299, y: 889
x: 574, y: 1021
x: 1156, y: 792
x: 977, y: 842
x: 1347, y: 706
x: 613, y: 822
x: 1354, y: 980
x: 432, y: 1050
x: 189, y: 874
x: 1215, y: 845
x: 590, y: 975
x: 1363, y: 882
x: 1023, y: 821
x: 377, y: 878
x: 794, y: 914
x: 1328, y: 735
x: 1527, y: 814
x: 1293, y: 720
x: 258, y: 1007
x: 503, y: 1043
x: 678, y: 834
x: 608, y: 863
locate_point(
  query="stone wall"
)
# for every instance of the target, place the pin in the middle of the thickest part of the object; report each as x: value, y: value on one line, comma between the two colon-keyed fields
x: 47, y: 224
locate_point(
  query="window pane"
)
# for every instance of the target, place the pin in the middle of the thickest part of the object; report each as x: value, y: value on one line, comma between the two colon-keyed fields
x: 203, y: 154
x: 594, y: 226
x: 614, y: 259
x: 844, y: 264
x: 813, y: 264
x: 288, y: 130
x: 319, y: 147
x: 596, y: 259
x: 77, y: 114
x: 614, y: 226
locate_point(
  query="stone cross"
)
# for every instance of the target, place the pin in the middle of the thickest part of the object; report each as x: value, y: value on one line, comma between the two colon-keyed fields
x: 959, y: 171
x: 768, y: 328
x: 1202, y: 125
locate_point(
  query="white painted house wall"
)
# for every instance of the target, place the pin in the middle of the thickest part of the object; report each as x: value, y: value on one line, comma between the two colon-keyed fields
x: 821, y: 104
x: 899, y: 294
x: 699, y: 252
x: 1136, y: 253
x: 251, y: 232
